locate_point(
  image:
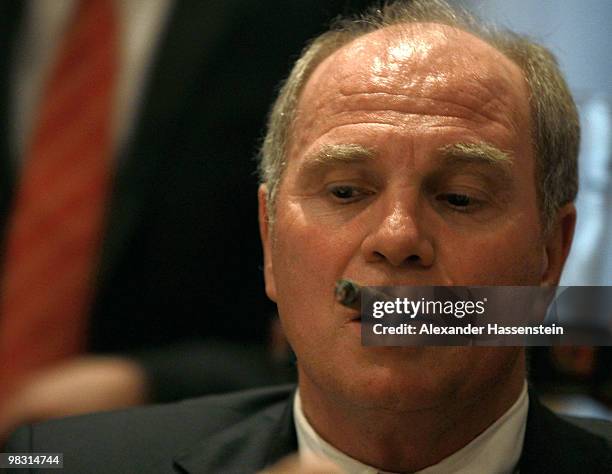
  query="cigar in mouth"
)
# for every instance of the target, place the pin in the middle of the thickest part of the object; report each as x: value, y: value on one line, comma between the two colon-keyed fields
x: 348, y: 293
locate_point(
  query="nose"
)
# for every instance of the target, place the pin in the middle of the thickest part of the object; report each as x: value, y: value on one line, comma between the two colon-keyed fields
x: 398, y: 239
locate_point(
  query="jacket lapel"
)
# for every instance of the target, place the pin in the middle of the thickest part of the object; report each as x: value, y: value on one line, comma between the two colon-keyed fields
x: 246, y: 447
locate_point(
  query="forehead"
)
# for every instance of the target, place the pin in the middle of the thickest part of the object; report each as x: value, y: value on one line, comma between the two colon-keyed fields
x: 421, y: 70
x: 388, y: 54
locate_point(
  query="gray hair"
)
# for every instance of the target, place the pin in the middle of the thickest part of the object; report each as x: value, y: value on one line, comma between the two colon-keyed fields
x: 555, y: 130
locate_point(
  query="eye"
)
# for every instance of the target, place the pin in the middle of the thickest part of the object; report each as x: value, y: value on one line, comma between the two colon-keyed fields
x: 346, y: 193
x: 460, y: 202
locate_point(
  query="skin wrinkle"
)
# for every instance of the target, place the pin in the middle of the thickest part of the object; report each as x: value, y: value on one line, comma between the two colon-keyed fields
x: 481, y: 111
x: 444, y: 126
x: 482, y: 107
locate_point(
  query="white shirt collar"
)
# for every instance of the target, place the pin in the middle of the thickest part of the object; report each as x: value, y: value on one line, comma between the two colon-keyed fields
x: 495, y: 450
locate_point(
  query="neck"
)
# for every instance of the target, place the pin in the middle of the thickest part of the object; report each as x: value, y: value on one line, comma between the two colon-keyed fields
x: 407, y: 441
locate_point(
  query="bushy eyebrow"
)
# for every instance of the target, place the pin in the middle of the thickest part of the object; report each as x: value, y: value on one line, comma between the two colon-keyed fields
x: 328, y: 157
x: 451, y: 156
x: 491, y: 163
x: 343, y: 153
x: 476, y: 153
x: 481, y: 152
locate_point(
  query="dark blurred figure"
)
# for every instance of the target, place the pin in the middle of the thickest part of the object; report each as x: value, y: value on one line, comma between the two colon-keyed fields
x: 151, y: 261
x: 573, y: 379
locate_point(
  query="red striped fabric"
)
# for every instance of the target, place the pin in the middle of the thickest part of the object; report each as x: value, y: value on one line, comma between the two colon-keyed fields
x: 56, y: 225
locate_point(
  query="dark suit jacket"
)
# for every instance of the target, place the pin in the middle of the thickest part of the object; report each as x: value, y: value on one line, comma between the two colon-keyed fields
x: 182, y: 239
x: 246, y: 431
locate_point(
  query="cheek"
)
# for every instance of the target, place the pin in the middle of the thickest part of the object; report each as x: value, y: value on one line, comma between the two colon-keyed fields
x: 301, y: 247
x: 308, y: 259
x: 507, y: 255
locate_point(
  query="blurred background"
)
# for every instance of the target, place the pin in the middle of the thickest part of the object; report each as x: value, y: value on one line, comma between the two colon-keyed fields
x: 128, y: 130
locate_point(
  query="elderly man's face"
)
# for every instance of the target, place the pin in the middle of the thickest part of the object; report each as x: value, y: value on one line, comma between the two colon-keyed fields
x: 410, y: 163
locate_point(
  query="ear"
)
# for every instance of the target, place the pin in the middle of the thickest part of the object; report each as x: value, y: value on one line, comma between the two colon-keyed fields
x: 557, y: 245
x: 266, y: 240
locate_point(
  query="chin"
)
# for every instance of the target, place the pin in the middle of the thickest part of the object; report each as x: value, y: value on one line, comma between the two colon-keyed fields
x: 405, y: 379
x: 416, y: 378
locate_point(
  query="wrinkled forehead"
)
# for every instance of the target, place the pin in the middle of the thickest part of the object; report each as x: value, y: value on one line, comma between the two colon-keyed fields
x: 424, y: 59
